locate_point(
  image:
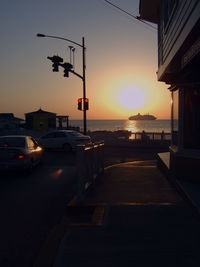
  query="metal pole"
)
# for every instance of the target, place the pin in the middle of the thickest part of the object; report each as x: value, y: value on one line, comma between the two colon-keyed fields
x: 84, y: 89
x: 84, y: 67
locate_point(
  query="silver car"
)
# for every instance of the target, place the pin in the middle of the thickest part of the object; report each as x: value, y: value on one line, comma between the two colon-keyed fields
x: 64, y: 139
x: 19, y: 152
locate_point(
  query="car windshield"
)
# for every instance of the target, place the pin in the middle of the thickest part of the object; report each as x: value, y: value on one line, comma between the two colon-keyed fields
x: 12, y: 142
x: 75, y: 134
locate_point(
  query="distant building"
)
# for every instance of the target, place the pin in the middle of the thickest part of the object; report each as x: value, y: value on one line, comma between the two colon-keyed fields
x: 61, y: 119
x: 40, y: 120
x: 178, y: 66
x: 8, y: 121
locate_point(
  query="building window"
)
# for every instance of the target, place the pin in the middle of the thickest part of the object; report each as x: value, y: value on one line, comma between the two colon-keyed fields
x: 175, y: 108
x: 191, y: 130
x: 41, y: 124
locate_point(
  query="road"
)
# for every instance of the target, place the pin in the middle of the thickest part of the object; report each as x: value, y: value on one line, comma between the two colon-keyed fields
x: 32, y: 205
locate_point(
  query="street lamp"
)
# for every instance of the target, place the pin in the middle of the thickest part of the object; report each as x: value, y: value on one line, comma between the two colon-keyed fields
x: 80, y: 76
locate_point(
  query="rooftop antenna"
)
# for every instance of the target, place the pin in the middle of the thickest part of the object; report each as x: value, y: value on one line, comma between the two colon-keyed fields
x: 73, y: 50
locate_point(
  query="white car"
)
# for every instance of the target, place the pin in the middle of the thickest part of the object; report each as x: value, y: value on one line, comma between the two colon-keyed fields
x: 64, y: 139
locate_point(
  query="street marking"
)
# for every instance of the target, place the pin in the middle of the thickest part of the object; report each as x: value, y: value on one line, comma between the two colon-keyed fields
x: 73, y: 201
x: 135, y: 163
x: 97, y: 219
x: 98, y: 215
x: 49, y: 249
x: 114, y: 204
x: 142, y: 204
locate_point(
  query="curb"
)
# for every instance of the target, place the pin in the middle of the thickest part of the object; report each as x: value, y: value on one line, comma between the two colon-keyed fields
x: 175, y: 182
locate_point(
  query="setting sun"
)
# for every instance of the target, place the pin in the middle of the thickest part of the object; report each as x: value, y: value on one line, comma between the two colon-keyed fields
x: 131, y: 98
x: 120, y: 96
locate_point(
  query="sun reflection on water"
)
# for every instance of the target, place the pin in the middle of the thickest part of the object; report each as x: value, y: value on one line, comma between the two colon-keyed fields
x: 131, y: 126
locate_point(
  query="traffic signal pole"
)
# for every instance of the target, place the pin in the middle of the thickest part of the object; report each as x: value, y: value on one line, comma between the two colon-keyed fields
x: 70, y: 70
x: 84, y: 89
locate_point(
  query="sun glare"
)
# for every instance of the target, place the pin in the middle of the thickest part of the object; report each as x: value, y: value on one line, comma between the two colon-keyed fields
x: 131, y: 98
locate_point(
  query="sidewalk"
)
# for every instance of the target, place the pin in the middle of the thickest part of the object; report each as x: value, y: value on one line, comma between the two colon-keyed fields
x: 134, y: 218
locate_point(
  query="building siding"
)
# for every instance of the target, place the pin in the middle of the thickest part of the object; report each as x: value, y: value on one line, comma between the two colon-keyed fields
x: 171, y: 38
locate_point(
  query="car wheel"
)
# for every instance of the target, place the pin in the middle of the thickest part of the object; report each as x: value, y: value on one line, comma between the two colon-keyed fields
x: 67, y: 148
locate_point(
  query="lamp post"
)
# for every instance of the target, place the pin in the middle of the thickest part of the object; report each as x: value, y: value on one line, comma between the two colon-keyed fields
x: 80, y: 76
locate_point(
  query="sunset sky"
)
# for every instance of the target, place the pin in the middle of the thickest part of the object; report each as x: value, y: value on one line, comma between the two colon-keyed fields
x: 121, y: 60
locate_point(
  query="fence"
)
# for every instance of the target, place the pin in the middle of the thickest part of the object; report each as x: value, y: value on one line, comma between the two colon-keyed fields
x: 90, y: 164
x: 151, y: 136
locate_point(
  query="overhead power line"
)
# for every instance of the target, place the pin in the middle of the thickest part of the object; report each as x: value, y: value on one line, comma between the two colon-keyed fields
x: 129, y: 14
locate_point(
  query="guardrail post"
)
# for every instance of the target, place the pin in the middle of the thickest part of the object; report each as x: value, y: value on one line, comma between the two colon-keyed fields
x: 89, y: 154
x: 162, y: 136
x: 90, y: 163
x: 80, y: 173
x: 102, y: 157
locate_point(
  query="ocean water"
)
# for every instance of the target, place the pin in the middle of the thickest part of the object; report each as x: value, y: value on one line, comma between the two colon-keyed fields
x: 133, y: 126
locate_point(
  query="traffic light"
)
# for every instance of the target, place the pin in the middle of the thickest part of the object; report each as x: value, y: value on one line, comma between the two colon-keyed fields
x: 86, y: 104
x: 56, y: 62
x: 55, y: 67
x: 80, y: 104
x: 67, y: 67
x: 56, y: 59
x: 66, y: 73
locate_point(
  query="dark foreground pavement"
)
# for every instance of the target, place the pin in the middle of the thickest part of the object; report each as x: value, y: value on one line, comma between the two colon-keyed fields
x: 133, y: 218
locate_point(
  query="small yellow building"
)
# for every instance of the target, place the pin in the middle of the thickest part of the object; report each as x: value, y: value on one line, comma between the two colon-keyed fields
x: 40, y: 120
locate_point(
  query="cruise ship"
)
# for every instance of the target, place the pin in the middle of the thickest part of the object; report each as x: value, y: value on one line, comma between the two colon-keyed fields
x: 140, y: 117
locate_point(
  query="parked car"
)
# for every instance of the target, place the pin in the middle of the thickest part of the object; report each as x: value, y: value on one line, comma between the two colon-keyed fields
x: 64, y: 139
x: 19, y: 152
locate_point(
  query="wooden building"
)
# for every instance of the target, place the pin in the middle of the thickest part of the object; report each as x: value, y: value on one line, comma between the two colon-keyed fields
x: 178, y: 66
x: 40, y: 120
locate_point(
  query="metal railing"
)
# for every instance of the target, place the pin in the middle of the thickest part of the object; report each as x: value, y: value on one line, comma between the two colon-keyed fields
x: 90, y: 164
x: 151, y: 136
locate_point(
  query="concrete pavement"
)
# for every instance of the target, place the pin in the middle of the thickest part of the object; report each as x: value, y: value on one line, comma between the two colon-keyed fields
x: 134, y: 217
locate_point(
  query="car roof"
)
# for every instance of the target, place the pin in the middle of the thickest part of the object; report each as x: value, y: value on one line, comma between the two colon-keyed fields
x: 69, y: 131
x: 64, y: 131
x: 15, y: 136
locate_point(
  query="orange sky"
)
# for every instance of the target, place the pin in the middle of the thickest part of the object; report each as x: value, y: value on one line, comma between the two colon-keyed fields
x: 121, y: 60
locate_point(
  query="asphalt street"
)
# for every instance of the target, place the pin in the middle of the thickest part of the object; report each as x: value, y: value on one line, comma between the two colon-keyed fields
x: 31, y: 205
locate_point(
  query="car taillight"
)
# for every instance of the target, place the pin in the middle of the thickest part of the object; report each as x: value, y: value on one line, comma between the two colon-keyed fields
x: 20, y: 157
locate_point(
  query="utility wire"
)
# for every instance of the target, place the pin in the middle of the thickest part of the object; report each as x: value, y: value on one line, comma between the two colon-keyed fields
x: 129, y: 14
